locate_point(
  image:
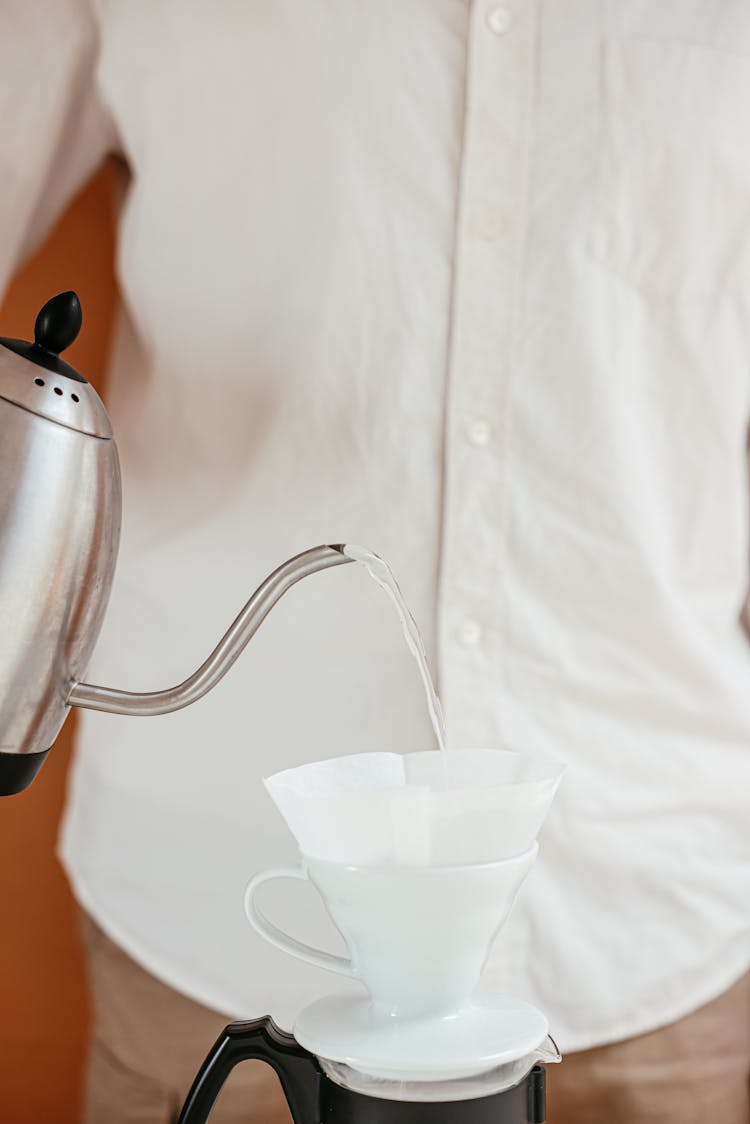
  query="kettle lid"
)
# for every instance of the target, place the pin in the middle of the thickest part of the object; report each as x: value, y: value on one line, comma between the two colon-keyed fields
x: 51, y: 387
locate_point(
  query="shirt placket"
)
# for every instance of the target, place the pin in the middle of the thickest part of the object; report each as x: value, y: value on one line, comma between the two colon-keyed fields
x: 490, y: 231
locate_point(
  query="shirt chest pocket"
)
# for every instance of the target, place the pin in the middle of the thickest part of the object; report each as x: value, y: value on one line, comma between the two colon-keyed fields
x: 672, y: 199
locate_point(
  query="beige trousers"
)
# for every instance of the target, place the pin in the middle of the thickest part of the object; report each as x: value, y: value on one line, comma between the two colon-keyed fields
x: 148, y: 1042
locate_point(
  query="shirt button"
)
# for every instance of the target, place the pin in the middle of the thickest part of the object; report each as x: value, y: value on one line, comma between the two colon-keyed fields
x: 479, y: 432
x: 499, y: 20
x: 489, y: 225
x: 469, y: 633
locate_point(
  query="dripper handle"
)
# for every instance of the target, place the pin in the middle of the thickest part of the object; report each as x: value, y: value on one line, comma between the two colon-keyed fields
x: 342, y: 965
x: 262, y: 1040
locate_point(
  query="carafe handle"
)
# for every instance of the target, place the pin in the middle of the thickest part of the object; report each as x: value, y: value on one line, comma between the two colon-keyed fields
x: 262, y: 1040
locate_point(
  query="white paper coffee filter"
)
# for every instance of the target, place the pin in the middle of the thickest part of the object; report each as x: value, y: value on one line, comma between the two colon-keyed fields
x: 432, y: 808
x: 353, y: 827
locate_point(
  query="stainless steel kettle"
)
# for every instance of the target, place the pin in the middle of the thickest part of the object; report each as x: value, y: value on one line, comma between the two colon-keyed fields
x: 60, y: 510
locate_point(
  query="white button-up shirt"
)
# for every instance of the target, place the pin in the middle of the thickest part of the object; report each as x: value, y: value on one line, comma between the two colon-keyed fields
x: 468, y: 284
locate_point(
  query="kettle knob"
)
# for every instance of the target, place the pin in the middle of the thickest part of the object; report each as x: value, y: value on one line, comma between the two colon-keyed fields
x: 58, y: 323
x: 56, y: 326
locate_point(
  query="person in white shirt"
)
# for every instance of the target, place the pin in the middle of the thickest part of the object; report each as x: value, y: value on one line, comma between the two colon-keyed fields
x: 466, y: 283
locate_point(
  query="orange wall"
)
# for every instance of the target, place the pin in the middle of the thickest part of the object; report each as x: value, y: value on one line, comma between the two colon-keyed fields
x: 43, y: 1004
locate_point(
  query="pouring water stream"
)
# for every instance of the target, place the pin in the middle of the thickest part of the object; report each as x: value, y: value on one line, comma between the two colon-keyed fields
x: 383, y: 575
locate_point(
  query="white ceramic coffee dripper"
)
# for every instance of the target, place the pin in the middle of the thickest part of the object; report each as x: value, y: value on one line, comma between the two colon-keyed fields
x: 418, y: 936
x: 418, y: 859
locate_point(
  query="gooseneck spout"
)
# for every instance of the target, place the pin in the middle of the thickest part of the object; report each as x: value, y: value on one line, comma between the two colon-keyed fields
x: 226, y: 652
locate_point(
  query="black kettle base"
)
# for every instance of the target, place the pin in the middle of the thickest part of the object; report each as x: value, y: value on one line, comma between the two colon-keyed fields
x: 17, y: 770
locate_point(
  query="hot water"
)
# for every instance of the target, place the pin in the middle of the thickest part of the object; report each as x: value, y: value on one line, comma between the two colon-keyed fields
x: 382, y: 574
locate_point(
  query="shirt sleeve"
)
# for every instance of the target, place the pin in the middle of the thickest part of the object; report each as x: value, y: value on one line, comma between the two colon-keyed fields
x: 54, y: 129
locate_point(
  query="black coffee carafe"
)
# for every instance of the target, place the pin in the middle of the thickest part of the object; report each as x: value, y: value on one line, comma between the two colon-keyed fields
x: 314, y: 1098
